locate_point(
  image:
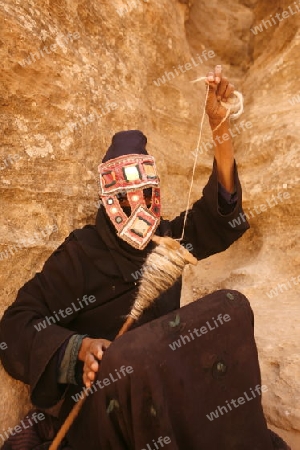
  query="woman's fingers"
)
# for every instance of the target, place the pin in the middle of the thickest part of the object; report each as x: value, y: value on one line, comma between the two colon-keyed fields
x: 91, y: 367
x: 229, y: 91
x: 89, y: 374
x: 222, y: 88
x: 218, y: 74
x: 88, y: 379
x: 98, y: 347
x: 215, y: 76
x: 93, y: 355
x: 91, y: 362
x: 225, y: 90
x: 210, y: 77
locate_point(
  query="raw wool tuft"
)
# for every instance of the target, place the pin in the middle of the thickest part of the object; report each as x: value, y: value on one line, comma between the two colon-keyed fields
x: 235, y: 104
x: 161, y: 269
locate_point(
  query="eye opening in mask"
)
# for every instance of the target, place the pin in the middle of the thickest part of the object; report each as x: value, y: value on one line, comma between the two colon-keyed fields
x: 121, y: 196
x: 148, y: 197
x: 124, y: 203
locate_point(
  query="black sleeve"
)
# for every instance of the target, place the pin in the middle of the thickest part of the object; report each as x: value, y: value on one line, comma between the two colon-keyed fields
x: 207, y: 231
x: 32, y: 342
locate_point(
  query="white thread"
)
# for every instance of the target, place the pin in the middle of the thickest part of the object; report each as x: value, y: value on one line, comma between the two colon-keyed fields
x: 194, y: 166
x: 230, y: 113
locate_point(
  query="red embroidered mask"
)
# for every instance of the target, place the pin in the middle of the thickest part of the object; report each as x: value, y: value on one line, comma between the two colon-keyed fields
x: 130, y: 175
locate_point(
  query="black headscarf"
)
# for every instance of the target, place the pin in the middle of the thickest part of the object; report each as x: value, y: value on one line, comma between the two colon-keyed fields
x: 126, y: 143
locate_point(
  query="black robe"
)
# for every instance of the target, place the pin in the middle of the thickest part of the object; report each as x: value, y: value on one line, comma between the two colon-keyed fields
x: 94, y: 261
x: 202, y: 394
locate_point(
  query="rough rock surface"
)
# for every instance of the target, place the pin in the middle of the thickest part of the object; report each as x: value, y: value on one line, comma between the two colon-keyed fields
x: 101, y: 71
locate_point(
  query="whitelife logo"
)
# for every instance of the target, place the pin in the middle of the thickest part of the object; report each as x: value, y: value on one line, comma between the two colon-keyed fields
x: 66, y: 312
x: 195, y: 61
x: 236, y: 403
x: 283, y: 287
x: 48, y: 50
x: 279, y: 16
x: 184, y: 339
x: 160, y: 443
x: 25, y: 424
x: 242, y: 217
x: 112, y: 378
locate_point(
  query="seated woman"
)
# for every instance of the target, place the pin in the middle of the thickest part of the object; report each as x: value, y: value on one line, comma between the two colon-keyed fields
x: 182, y: 378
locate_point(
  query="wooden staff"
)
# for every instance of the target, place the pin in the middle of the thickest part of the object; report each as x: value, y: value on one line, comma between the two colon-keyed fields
x: 167, y: 252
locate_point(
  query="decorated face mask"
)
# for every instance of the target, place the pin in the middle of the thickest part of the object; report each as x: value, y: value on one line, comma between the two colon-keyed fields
x: 131, y: 174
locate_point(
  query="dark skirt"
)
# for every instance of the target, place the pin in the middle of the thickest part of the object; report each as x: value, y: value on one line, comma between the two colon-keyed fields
x: 189, y: 380
x: 194, y: 384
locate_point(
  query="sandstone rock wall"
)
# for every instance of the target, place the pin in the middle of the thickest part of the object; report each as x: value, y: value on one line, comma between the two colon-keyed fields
x: 72, y: 74
x: 265, y: 264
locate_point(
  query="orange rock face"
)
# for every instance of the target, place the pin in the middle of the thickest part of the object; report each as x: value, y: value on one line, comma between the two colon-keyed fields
x: 72, y: 75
